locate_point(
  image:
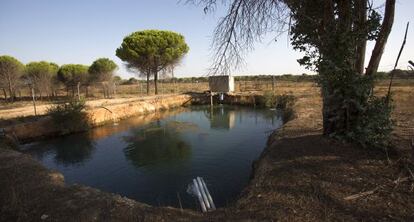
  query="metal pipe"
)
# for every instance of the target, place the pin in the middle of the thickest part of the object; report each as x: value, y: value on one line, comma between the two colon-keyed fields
x: 210, y: 199
x: 203, y: 194
x: 200, y: 199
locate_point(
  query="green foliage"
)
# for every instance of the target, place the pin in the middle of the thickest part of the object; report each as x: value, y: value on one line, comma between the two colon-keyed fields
x: 41, y: 74
x: 72, y: 74
x: 102, y: 70
x: 283, y: 103
x: 37, y: 69
x: 8, y: 63
x: 70, y: 116
x: 117, y: 79
x: 375, y: 125
x: 152, y: 48
x: 10, y: 72
x: 130, y: 81
x: 151, y: 51
x: 272, y: 100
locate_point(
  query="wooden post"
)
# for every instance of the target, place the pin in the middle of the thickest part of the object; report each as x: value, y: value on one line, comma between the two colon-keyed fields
x: 34, y: 101
x: 211, y: 99
x: 273, y: 83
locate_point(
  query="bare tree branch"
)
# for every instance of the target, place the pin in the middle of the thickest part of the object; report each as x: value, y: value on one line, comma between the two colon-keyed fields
x: 245, y: 23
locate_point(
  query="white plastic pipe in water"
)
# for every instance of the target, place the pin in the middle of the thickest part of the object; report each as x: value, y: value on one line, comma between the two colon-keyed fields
x: 203, y: 193
x: 200, y: 198
x: 210, y: 199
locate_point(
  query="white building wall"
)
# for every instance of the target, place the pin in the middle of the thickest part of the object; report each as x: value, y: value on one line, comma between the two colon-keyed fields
x: 221, y: 83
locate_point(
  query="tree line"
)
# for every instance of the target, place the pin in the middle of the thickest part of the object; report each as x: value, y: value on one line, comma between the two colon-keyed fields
x: 44, y: 79
x: 149, y: 53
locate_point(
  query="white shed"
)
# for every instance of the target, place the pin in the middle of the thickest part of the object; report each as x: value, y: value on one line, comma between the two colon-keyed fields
x: 221, y: 84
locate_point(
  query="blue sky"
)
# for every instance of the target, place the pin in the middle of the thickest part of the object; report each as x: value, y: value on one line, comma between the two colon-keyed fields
x: 79, y: 31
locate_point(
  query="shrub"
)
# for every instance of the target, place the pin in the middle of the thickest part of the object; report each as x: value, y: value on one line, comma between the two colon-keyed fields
x: 272, y: 100
x: 375, y: 127
x: 284, y: 103
x: 70, y: 116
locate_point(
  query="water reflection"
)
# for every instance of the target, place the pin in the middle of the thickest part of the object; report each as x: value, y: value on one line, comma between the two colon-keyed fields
x: 74, y: 154
x: 130, y: 123
x: 221, y: 117
x: 70, y: 150
x: 151, y: 158
x: 158, y: 143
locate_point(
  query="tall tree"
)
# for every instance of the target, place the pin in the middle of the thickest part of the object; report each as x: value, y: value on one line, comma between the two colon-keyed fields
x: 41, y: 75
x: 73, y: 76
x: 10, y: 72
x: 333, y: 36
x: 102, y: 71
x: 151, y: 51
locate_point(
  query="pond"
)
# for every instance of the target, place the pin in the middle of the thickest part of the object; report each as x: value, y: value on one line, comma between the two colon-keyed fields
x: 154, y: 158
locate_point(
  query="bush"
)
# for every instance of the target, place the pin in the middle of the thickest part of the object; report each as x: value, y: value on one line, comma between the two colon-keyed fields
x: 375, y: 127
x: 284, y: 103
x: 70, y: 116
x: 271, y: 100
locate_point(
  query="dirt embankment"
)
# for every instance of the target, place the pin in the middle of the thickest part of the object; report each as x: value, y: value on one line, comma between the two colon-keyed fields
x: 301, y: 176
x: 98, y: 112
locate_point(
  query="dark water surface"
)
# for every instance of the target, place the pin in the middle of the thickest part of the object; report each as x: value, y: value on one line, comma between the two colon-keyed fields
x: 154, y: 158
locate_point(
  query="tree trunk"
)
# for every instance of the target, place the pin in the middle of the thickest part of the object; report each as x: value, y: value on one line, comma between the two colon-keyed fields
x: 338, y: 116
x: 78, y: 85
x: 155, y: 82
x: 148, y: 77
x: 361, y: 45
x: 34, y: 101
x: 5, y: 94
x: 11, y: 95
x: 382, y: 37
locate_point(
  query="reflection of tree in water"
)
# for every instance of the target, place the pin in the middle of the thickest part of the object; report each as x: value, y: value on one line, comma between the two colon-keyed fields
x: 68, y: 150
x: 156, y: 144
x: 78, y: 149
